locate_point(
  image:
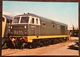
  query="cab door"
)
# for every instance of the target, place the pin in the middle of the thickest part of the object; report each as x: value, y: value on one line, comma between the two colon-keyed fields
x: 37, y: 27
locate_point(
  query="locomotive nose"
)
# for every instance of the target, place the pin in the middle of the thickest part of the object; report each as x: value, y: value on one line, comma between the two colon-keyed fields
x: 19, y: 30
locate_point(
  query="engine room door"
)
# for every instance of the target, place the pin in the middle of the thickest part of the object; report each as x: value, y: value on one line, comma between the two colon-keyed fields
x: 37, y: 27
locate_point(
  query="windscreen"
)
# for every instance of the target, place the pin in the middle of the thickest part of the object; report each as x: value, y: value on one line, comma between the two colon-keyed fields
x: 24, y: 19
x: 16, y: 20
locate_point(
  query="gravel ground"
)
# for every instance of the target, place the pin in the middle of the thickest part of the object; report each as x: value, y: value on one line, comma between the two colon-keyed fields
x: 63, y: 51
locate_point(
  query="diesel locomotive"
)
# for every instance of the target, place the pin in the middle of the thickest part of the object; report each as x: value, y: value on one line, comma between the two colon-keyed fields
x: 34, y: 30
x: 6, y: 20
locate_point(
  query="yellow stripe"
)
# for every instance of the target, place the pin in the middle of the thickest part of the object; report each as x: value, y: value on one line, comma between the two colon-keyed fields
x: 55, y: 36
x: 30, y: 38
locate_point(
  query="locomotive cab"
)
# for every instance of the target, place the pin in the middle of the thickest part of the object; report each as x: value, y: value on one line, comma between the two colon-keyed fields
x: 21, y: 25
x: 24, y: 26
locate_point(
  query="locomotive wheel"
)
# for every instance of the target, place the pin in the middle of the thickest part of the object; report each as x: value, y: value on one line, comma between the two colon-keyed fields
x: 9, y: 44
x: 58, y: 40
x: 67, y: 38
x: 55, y: 41
x: 61, y: 40
x: 49, y: 41
x: 44, y: 42
x: 23, y: 45
x: 31, y: 45
x: 4, y: 44
x: 64, y: 40
x: 41, y: 44
x: 52, y: 41
x: 38, y: 43
x: 34, y: 45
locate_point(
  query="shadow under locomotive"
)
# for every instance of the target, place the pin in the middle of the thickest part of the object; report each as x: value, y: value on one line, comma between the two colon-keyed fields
x: 72, y: 47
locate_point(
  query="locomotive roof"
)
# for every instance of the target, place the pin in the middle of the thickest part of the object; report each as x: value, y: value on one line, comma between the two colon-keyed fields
x: 42, y: 18
x: 8, y: 17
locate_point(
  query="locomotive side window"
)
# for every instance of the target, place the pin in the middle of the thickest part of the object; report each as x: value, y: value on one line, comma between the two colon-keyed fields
x: 65, y: 27
x: 43, y: 24
x: 53, y: 25
x: 7, y: 21
x: 24, y: 19
x: 36, y: 21
x: 16, y: 20
x: 58, y: 26
x: 10, y: 21
x: 32, y: 20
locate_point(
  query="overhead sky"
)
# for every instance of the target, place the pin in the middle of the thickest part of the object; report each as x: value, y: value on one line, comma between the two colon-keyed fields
x: 65, y: 12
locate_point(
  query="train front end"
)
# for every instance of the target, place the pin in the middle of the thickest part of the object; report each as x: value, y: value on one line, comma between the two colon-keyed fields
x: 19, y: 30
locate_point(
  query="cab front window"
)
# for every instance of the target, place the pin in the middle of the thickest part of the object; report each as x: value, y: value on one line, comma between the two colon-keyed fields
x: 24, y: 19
x: 16, y: 20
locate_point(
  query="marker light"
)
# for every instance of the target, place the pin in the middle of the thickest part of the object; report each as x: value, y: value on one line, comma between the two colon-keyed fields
x: 11, y: 27
x: 24, y: 26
